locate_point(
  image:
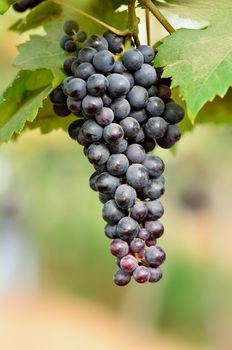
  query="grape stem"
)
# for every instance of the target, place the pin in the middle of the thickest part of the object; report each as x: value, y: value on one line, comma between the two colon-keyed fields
x: 148, y: 26
x: 133, y: 21
x: 148, y: 4
x: 103, y: 24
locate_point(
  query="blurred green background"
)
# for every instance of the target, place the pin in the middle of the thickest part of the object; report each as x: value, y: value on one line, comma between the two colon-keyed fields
x: 46, y: 179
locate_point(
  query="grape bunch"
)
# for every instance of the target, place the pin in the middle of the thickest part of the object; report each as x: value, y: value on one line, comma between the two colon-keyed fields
x: 24, y: 5
x: 124, y: 110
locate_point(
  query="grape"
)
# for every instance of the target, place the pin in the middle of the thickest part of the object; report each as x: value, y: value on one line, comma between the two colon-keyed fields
x: 152, y: 91
x: 155, y: 106
x: 122, y: 278
x: 151, y: 241
x: 141, y: 274
x: 111, y: 213
x: 119, y: 248
x: 21, y: 6
x: 107, y: 183
x: 97, y: 84
x: 105, y: 116
x: 173, y: 113
x: 127, y: 228
x: 120, y: 107
x: 118, y: 67
x: 119, y: 147
x: 104, y: 197
x: 70, y: 27
x: 156, y: 127
x: 81, y: 36
x: 154, y: 256
x: 130, y: 78
x: 130, y: 127
x: 132, y: 60
x: 149, y: 145
x: 99, y: 168
x: 110, y: 230
x: 104, y: 61
x: 92, y: 181
x: 145, y: 76
x: 75, y: 88
x: 154, y: 165
x: 106, y: 100
x: 118, y: 85
x: 125, y: 196
x: 98, y: 154
x: 61, y: 110
x: 115, y: 42
x: 64, y: 40
x: 86, y: 54
x: 98, y: 42
x: 135, y: 153
x: 147, y: 52
x: 70, y: 46
x: 73, y: 105
x: 128, y: 263
x: 136, y: 245
x: 139, y: 115
x: 57, y: 96
x: 154, y: 189
x: 155, y: 210
x: 83, y: 70
x: 138, y: 97
x: 139, y: 138
x: 113, y: 133
x: 155, y: 274
x: 137, y: 176
x: 92, y: 105
x: 172, y: 135
x: 92, y: 131
x: 164, y: 92
x: 154, y: 228
x: 117, y: 164
x: 139, y: 211
x: 81, y: 139
x: 143, y: 234
x: 68, y: 64
x: 74, y: 128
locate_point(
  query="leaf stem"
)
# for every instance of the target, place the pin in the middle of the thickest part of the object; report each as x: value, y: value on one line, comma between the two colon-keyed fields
x: 148, y: 26
x: 154, y: 10
x: 133, y: 22
x: 83, y: 13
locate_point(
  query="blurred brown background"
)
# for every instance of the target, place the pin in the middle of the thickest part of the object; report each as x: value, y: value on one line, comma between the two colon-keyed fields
x: 55, y: 266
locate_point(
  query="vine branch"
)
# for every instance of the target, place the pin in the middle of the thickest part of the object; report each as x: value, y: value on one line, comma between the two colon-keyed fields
x: 83, y: 13
x: 133, y: 22
x: 148, y: 4
x: 148, y: 27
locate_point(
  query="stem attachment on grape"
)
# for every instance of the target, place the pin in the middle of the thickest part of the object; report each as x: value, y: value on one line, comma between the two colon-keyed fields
x: 83, y: 13
x: 133, y: 22
x: 148, y: 4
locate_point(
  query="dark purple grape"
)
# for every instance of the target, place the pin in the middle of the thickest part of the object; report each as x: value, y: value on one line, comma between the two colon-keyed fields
x: 73, y: 105
x: 155, y: 256
x: 118, y: 85
x: 128, y: 263
x: 155, y: 127
x: 172, y: 135
x: 154, y: 189
x: 107, y: 183
x: 147, y: 52
x: 70, y: 27
x: 141, y: 274
x: 164, y: 92
x: 132, y: 60
x: 105, y: 116
x: 92, y: 105
x: 117, y: 164
x: 154, y: 228
x: 155, y: 106
x: 155, y: 274
x: 86, y: 54
x: 61, y: 110
x: 122, y: 278
x: 119, y: 147
x: 173, y: 113
x: 68, y: 64
x: 137, y: 176
x: 143, y: 234
x: 121, y: 108
x: 83, y: 70
x: 81, y: 36
x: 127, y: 228
x: 104, y: 61
x: 145, y: 76
x: 97, y: 84
x: 154, y: 165
x: 130, y: 127
x: 111, y: 213
x: 110, y: 231
x: 74, y: 128
x: 119, y: 248
x: 125, y: 196
x: 139, y: 211
x: 98, y: 42
x: 115, y: 42
x: 57, y: 96
x: 75, y: 88
x: 155, y: 210
x: 92, y: 131
x: 136, y: 245
x: 113, y: 133
x: 135, y: 153
x: 98, y: 154
x: 138, y: 97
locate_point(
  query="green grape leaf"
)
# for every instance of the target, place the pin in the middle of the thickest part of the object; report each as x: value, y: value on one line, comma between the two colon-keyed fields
x: 46, y: 11
x: 42, y: 51
x: 47, y: 121
x: 22, y: 100
x: 199, y: 61
x: 5, y: 4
